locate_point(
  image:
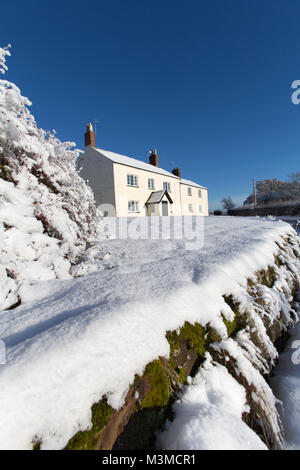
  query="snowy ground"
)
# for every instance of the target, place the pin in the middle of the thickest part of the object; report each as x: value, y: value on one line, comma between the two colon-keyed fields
x: 286, y: 386
x: 294, y: 221
x: 73, y: 341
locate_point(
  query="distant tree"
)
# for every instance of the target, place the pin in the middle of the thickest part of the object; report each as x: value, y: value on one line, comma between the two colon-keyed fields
x: 249, y: 200
x: 227, y: 203
x: 272, y: 191
x: 295, y: 177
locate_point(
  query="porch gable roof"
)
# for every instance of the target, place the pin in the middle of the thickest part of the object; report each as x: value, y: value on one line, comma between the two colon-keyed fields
x: 156, y: 197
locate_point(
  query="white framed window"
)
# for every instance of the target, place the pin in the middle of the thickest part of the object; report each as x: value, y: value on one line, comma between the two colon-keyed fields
x: 132, y: 180
x: 133, y: 206
x: 190, y: 207
x: 200, y: 209
x: 199, y: 193
x: 150, y: 183
x: 189, y: 191
x: 167, y: 186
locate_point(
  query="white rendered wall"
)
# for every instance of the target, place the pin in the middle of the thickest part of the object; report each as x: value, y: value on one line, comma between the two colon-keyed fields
x: 125, y: 193
x: 194, y: 199
x: 98, y: 171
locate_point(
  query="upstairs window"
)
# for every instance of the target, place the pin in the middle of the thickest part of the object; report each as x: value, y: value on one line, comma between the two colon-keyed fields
x: 199, y: 193
x: 167, y: 186
x: 133, y: 206
x: 190, y: 208
x: 200, y: 209
x: 150, y: 183
x: 132, y: 180
x: 189, y: 191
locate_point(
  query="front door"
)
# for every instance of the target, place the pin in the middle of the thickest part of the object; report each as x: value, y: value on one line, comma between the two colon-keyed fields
x: 164, y: 208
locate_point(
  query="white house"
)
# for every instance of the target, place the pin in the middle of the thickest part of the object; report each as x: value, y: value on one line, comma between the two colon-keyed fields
x: 137, y: 188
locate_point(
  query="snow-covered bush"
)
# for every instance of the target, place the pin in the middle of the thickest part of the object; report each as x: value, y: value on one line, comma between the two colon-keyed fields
x: 47, y: 212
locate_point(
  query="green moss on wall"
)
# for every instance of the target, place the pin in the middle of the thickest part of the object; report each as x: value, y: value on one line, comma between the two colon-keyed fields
x: 231, y: 326
x: 238, y: 322
x: 181, y: 372
x: 195, y: 336
x: 84, y: 440
x: 174, y: 342
x: 159, y: 394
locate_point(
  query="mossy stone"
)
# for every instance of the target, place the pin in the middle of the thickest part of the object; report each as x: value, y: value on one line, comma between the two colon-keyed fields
x: 84, y: 440
x: 159, y: 394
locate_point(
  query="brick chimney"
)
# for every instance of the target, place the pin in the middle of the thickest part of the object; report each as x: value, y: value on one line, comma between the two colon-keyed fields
x: 176, y: 172
x: 89, y: 136
x: 153, y: 158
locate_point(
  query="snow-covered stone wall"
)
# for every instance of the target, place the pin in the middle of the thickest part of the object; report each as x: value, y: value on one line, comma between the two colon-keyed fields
x: 87, y: 357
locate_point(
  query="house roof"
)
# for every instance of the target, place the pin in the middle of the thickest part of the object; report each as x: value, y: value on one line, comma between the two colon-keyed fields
x: 191, y: 183
x: 156, y: 196
x: 134, y: 163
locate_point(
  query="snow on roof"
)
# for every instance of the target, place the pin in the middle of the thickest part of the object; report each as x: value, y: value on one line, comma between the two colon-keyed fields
x: 133, y: 162
x: 124, y: 160
x: 191, y: 183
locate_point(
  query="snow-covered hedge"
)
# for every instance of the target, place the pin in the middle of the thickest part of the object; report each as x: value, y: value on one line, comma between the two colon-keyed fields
x: 47, y: 212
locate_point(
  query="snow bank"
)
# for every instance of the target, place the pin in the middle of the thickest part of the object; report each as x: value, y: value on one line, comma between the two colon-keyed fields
x: 88, y: 337
x: 208, y: 415
x: 286, y: 386
x: 46, y: 210
x: 251, y: 363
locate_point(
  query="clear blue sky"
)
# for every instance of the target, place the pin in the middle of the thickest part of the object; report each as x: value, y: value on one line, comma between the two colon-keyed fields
x: 207, y: 83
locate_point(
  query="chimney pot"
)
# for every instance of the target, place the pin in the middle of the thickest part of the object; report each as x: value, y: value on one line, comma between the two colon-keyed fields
x: 153, y: 158
x: 89, y: 136
x: 176, y: 172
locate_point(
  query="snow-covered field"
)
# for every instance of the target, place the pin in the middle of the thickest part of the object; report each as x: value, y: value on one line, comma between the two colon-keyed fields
x: 72, y: 341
